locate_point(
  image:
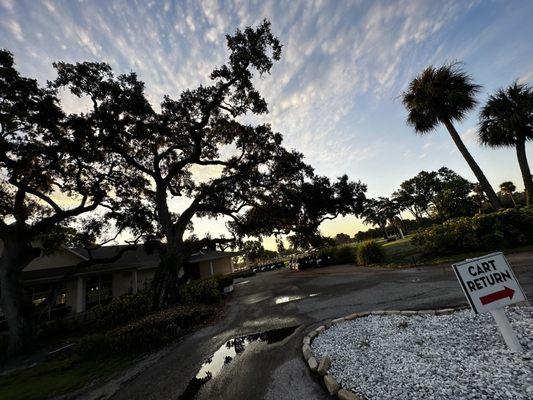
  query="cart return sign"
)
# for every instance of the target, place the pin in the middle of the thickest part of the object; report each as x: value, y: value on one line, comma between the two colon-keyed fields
x: 488, y: 282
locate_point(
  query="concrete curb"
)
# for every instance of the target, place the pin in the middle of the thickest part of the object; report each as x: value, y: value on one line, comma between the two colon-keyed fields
x: 319, y: 368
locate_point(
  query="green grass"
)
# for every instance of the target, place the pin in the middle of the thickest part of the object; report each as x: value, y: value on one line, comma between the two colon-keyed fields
x: 402, y: 253
x: 53, y: 378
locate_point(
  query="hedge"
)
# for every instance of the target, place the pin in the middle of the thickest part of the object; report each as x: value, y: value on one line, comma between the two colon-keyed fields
x: 499, y: 230
x: 203, y: 291
x: 123, y: 309
x: 150, y: 332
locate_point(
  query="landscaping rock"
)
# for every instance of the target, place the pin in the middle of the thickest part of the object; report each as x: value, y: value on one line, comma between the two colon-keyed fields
x: 331, y: 384
x: 378, y: 312
x: 445, y: 311
x: 337, y: 320
x: 324, y: 365
x: 320, y: 329
x: 426, y: 312
x: 347, y: 395
x: 313, y: 365
x: 408, y: 312
x: 356, y: 315
x: 312, y: 335
x: 306, y: 340
x: 392, y: 312
x: 450, y: 356
x: 306, y: 351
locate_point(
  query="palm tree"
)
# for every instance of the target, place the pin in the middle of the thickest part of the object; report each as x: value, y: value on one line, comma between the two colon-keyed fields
x: 508, y: 188
x: 444, y: 95
x: 507, y: 120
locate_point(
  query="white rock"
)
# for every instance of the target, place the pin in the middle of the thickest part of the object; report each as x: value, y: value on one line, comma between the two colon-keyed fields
x: 449, y: 356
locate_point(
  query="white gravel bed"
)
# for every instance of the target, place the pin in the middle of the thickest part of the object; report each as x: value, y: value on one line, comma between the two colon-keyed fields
x: 457, y: 356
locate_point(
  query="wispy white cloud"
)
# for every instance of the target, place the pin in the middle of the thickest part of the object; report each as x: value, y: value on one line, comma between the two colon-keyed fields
x: 527, y: 77
x: 470, y: 136
x: 333, y: 95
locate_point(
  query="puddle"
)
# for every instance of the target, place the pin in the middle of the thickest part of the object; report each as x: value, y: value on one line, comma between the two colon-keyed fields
x: 225, y: 355
x: 286, y: 299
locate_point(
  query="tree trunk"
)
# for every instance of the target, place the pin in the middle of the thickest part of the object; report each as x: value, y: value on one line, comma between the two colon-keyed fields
x: 166, y: 279
x: 385, y: 234
x: 487, y: 188
x: 512, y: 200
x: 524, y: 169
x: 17, y: 309
x: 400, y: 231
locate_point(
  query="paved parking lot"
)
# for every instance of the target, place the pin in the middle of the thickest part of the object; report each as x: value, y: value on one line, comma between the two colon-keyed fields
x: 303, y: 300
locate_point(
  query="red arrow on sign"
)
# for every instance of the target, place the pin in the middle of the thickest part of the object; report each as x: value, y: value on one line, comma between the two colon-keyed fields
x: 502, y: 294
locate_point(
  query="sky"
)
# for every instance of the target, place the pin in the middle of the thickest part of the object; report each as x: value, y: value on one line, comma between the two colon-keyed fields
x: 334, y: 95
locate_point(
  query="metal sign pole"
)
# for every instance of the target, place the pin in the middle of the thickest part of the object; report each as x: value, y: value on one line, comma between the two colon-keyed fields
x: 506, y: 330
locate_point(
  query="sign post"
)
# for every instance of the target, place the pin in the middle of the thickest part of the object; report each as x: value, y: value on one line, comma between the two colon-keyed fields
x: 489, y: 285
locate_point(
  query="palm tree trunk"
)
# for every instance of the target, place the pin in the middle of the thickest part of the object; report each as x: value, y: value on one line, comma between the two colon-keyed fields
x: 524, y: 169
x: 512, y: 199
x: 487, y: 188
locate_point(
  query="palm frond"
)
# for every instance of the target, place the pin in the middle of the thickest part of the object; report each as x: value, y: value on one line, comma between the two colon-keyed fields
x: 438, y: 94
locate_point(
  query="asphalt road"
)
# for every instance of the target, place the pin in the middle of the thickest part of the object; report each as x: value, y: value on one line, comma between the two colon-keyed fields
x: 285, y: 299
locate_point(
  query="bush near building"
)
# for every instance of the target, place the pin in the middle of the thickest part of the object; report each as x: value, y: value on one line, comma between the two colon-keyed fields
x: 150, y: 332
x: 499, y: 230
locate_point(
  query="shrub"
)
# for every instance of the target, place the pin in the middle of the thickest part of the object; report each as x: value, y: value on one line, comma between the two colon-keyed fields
x: 123, y: 309
x: 503, y: 229
x: 224, y: 281
x: 243, y: 274
x: 152, y: 331
x: 344, y: 254
x: 370, y: 252
x: 202, y: 291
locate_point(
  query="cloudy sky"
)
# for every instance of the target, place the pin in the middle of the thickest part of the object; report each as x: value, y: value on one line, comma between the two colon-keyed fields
x: 335, y: 93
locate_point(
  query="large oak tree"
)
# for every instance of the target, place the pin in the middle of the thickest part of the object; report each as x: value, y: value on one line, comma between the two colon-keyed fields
x: 197, y: 130
x: 300, y: 207
x: 50, y: 178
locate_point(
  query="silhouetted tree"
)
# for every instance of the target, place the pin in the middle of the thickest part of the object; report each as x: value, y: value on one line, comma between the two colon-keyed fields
x: 508, y: 188
x: 300, y: 208
x: 50, y: 179
x: 342, y: 238
x: 441, y: 194
x: 191, y: 132
x: 253, y: 250
x: 507, y: 120
x: 417, y: 194
x: 444, y: 95
x: 453, y: 198
x: 374, y: 213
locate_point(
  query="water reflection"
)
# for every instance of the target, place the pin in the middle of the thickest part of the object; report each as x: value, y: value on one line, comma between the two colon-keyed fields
x: 227, y: 353
x: 286, y: 299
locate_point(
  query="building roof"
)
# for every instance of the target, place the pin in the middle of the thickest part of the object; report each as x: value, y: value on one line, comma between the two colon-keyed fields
x: 132, y: 259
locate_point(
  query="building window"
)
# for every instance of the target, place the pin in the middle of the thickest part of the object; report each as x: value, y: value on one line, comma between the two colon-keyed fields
x: 39, y: 293
x: 98, y: 290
